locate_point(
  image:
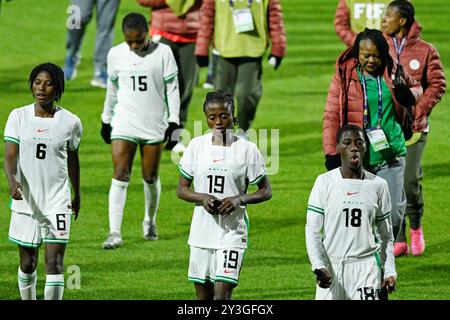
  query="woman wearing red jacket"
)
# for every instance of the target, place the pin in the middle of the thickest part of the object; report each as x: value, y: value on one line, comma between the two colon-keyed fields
x: 421, y: 60
x: 362, y: 92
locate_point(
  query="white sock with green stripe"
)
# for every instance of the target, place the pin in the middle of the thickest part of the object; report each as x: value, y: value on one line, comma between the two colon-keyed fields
x: 27, y: 284
x: 152, y: 194
x: 54, y: 287
x: 117, y: 199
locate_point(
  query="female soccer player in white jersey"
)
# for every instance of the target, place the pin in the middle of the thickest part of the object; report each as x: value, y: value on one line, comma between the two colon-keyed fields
x: 41, y: 156
x: 221, y: 166
x: 347, y: 208
x: 142, y: 108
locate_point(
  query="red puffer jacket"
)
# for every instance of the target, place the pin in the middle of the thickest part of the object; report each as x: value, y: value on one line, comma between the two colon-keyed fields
x: 421, y: 60
x: 345, y: 100
x: 165, y: 21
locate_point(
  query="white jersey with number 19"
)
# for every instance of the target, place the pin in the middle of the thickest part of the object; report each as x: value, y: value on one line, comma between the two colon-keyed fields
x: 222, y: 172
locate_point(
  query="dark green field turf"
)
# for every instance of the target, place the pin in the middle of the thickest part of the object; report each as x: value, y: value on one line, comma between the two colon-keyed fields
x: 276, y: 264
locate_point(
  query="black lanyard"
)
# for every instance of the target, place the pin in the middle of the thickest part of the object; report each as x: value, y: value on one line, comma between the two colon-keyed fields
x: 249, y: 2
x: 399, y: 48
x: 366, y: 100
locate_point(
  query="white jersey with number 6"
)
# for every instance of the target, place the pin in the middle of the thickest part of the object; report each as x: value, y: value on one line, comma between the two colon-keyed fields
x: 222, y: 172
x: 42, y: 165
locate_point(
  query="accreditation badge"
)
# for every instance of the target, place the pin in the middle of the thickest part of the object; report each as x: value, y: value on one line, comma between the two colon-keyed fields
x: 377, y: 139
x: 243, y: 20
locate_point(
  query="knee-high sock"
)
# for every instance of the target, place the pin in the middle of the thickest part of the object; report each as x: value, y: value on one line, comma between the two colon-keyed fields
x: 117, y: 199
x: 54, y: 287
x: 152, y: 193
x: 27, y: 284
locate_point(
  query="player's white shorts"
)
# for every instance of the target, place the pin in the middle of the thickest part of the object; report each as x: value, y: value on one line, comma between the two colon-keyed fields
x: 28, y: 230
x: 215, y: 265
x: 139, y: 136
x: 355, y: 279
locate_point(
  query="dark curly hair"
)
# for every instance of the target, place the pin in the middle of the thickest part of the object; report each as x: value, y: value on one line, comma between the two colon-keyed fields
x: 222, y: 97
x: 56, y: 74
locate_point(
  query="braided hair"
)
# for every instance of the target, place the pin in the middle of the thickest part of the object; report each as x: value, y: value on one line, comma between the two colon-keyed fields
x: 406, y: 10
x: 222, y: 97
x: 134, y: 21
x: 56, y: 74
x: 380, y: 42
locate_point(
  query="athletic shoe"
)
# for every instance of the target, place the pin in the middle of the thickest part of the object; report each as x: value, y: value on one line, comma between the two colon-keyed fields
x: 417, y: 241
x: 208, y: 84
x: 150, y: 231
x: 70, y: 67
x: 100, y: 80
x: 401, y: 249
x: 114, y: 241
x: 179, y: 147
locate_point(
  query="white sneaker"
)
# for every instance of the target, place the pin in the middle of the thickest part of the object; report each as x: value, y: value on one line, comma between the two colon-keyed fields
x: 114, y: 241
x: 150, y: 231
x: 98, y: 83
x: 179, y: 147
x: 208, y: 86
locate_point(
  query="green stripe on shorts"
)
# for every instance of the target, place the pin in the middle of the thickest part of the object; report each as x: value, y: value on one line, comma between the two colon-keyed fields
x: 126, y: 138
x: 226, y: 279
x: 25, y: 244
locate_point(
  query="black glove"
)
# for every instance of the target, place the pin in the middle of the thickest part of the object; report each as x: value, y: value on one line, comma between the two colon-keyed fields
x: 332, y: 161
x: 404, y: 95
x: 202, y: 61
x: 323, y: 278
x: 401, y: 91
x: 106, y: 132
x: 168, y: 136
x: 277, y: 60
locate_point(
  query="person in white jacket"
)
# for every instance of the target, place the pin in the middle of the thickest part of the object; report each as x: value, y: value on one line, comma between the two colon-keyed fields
x: 349, y: 235
x: 141, y: 109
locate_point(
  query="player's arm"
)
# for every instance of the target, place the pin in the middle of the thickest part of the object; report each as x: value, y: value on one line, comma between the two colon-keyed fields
x: 73, y: 165
x: 10, y: 165
x: 263, y: 193
x: 185, y: 193
x: 110, y: 100
x: 342, y: 24
x: 384, y: 228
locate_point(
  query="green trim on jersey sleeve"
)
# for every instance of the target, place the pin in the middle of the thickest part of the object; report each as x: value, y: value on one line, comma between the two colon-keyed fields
x: 316, y: 209
x: 11, y: 139
x: 184, y: 173
x: 258, y: 179
x: 170, y: 77
x: 384, y: 216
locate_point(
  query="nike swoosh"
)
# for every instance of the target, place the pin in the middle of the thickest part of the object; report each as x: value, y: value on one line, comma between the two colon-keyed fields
x: 217, y: 160
x: 41, y: 130
x: 351, y: 193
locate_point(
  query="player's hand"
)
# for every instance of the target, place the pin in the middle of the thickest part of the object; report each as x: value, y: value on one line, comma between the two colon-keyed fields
x: 228, y: 205
x: 323, y: 277
x: 210, y: 203
x: 76, y: 204
x: 332, y: 161
x: 389, y: 283
x: 15, y: 190
x: 275, y: 61
x: 168, y: 136
x: 202, y: 61
x: 106, y: 132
